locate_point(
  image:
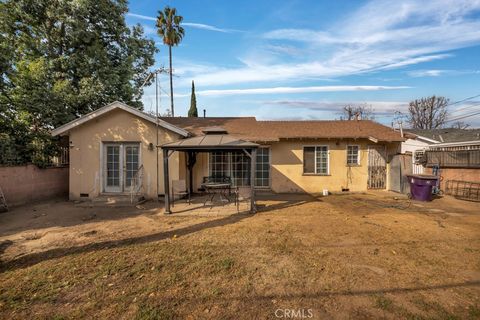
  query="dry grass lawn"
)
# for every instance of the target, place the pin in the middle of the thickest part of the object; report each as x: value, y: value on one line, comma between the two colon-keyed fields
x: 346, y: 257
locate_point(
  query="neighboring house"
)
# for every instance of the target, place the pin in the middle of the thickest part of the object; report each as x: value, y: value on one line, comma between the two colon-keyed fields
x: 114, y: 147
x: 456, y: 152
x: 447, y: 135
x: 458, y: 162
x: 419, y: 140
x: 416, y: 146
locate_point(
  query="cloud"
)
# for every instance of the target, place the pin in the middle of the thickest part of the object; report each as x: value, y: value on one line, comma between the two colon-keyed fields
x: 437, y: 73
x: 426, y: 73
x: 187, y: 24
x: 285, y: 90
x: 209, y: 27
x: 140, y: 16
x: 416, y: 60
x: 379, y: 107
x: 284, y: 49
x: 381, y: 35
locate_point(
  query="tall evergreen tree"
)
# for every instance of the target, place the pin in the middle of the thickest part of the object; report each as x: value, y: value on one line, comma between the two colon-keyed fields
x: 62, y: 59
x: 193, y: 112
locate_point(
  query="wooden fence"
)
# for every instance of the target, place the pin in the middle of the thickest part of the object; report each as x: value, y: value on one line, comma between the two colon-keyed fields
x: 454, y: 159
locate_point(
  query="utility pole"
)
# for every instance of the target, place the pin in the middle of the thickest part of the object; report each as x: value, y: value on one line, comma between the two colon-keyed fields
x: 156, y: 124
x: 157, y: 98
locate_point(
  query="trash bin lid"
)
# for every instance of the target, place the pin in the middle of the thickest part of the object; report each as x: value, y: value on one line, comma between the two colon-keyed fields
x: 423, y: 176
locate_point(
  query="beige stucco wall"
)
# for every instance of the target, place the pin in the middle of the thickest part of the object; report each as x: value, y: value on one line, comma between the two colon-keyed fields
x: 86, y: 167
x: 287, y: 167
x: 116, y: 126
x: 286, y: 170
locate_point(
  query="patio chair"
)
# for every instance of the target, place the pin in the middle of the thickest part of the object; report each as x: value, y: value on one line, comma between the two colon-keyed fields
x: 179, y: 187
x: 242, y: 194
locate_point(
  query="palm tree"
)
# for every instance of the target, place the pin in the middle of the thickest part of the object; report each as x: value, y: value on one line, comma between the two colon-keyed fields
x: 168, y: 27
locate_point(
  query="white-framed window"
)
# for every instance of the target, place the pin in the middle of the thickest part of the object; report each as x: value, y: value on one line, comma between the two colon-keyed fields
x: 236, y: 166
x: 262, y: 178
x: 353, y: 155
x: 316, y: 160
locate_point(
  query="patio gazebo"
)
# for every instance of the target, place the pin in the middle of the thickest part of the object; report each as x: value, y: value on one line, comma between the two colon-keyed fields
x: 215, y: 139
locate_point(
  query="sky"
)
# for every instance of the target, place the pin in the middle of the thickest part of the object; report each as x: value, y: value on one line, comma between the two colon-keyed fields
x: 308, y: 59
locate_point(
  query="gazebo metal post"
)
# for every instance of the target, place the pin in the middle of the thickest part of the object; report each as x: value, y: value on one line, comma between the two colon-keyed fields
x: 191, y: 160
x: 166, y: 179
x: 253, y: 161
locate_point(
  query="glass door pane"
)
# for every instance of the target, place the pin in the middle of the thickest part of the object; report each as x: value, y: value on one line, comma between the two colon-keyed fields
x: 112, y: 168
x: 240, y: 166
x: 131, y: 164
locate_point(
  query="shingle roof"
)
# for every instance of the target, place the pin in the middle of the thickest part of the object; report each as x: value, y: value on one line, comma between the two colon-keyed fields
x: 332, y: 129
x: 248, y: 128
x: 448, y: 134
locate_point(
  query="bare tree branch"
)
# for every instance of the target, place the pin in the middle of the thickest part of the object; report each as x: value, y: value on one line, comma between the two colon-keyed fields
x: 362, y: 112
x: 428, y: 113
x: 460, y: 125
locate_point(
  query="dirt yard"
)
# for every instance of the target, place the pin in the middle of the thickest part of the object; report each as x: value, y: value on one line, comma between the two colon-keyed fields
x: 357, y: 256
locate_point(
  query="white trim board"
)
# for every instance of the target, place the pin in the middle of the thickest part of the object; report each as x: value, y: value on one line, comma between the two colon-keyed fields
x: 112, y: 106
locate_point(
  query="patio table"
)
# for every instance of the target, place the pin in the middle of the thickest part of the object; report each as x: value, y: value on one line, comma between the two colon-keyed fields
x: 212, y: 189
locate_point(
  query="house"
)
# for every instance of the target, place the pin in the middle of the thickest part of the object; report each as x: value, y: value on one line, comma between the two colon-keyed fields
x: 455, y: 152
x: 420, y: 140
x: 118, y: 147
x: 446, y: 135
x: 458, y: 164
x: 416, y: 145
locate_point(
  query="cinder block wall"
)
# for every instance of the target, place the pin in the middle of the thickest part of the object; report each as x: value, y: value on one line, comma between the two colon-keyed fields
x: 462, y: 174
x: 24, y: 184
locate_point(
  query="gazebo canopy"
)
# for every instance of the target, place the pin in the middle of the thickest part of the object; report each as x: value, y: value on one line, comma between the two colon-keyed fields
x: 214, y: 138
x: 210, y: 141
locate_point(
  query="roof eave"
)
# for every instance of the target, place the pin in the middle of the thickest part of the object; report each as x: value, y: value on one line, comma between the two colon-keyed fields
x: 209, y: 147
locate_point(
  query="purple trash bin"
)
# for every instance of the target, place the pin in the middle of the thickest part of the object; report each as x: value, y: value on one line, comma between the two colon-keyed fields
x: 421, y: 186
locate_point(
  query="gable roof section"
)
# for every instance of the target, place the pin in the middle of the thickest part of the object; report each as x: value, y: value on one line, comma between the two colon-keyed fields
x: 112, y: 106
x: 248, y: 128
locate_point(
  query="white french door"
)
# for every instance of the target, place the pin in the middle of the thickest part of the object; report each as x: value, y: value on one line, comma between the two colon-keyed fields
x: 121, y: 162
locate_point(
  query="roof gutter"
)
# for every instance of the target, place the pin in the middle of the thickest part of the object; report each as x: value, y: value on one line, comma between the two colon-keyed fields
x: 456, y: 144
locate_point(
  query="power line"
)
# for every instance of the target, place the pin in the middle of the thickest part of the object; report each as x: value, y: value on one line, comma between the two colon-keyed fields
x: 465, y: 108
x: 463, y: 100
x: 463, y: 117
x: 457, y: 102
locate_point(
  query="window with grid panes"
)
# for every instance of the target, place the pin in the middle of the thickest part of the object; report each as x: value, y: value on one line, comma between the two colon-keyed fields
x: 262, y: 178
x: 315, y: 160
x: 237, y: 167
x: 240, y: 169
x: 219, y: 164
x: 234, y: 165
x: 353, y: 157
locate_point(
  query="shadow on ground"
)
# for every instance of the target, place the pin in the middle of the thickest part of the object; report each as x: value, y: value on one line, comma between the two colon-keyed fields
x: 34, y: 258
